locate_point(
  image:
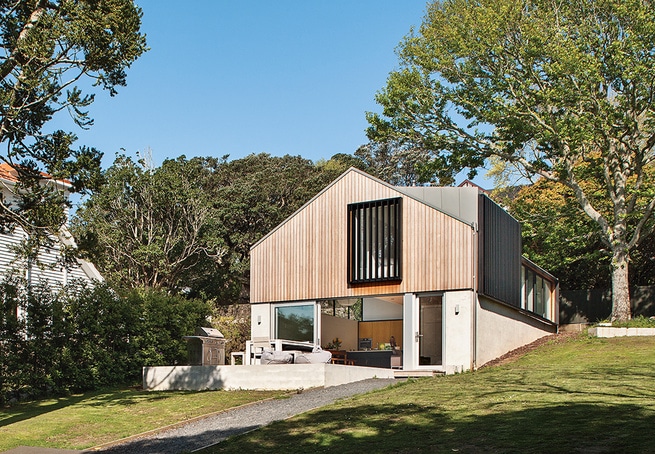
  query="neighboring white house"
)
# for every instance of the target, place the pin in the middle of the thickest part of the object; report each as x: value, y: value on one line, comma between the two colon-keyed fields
x: 48, y: 267
x: 439, y: 270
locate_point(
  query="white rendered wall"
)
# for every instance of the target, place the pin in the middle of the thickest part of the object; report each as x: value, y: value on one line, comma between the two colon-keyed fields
x: 457, y: 331
x: 502, y: 328
x: 410, y: 329
x: 269, y: 377
x: 260, y: 320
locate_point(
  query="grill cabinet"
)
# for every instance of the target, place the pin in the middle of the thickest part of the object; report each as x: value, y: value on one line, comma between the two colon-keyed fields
x: 206, y: 348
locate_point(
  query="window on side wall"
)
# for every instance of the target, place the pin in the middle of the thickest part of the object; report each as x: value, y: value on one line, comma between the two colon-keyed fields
x: 374, y: 240
x: 536, y: 293
x: 295, y: 322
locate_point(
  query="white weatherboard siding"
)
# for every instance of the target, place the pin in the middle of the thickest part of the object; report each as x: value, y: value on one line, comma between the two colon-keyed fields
x: 7, y: 241
x: 47, y: 269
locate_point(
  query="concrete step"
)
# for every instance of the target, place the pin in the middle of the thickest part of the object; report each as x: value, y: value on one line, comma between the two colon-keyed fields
x: 417, y: 373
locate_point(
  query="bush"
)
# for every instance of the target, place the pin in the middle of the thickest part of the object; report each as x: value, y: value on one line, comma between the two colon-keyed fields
x: 637, y: 322
x: 86, y: 338
x: 165, y: 319
x: 234, y: 323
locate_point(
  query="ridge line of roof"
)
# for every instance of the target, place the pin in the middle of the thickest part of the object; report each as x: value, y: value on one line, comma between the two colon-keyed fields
x: 339, y: 178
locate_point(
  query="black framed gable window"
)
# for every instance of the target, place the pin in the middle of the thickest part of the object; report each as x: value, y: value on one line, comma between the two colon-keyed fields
x: 374, y: 240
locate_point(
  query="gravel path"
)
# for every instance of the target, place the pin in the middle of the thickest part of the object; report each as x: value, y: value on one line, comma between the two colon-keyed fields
x: 216, y: 428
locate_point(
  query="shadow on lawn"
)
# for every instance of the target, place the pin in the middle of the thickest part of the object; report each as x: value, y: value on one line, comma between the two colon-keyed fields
x: 578, y: 427
x: 123, y: 396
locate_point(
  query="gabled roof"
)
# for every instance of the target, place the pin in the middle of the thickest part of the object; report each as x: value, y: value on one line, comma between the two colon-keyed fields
x: 417, y: 193
x: 469, y: 183
x: 10, y: 174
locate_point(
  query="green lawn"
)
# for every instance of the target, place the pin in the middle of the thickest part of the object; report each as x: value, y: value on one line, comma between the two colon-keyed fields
x: 581, y: 395
x: 91, y: 419
x: 578, y: 395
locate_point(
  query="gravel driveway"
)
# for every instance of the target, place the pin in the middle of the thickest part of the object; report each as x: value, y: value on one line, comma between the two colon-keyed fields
x: 216, y: 428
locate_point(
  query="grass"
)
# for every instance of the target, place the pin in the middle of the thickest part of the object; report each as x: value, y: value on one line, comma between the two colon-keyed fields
x: 90, y: 419
x: 580, y: 394
x: 583, y: 394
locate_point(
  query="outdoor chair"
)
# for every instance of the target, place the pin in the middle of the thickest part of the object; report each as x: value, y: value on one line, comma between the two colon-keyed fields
x: 258, y: 345
x: 341, y: 357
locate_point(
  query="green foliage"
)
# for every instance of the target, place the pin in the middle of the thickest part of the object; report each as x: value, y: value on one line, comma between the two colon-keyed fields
x: 557, y: 235
x: 151, y: 227
x: 395, y: 164
x: 188, y: 225
x: 48, y: 48
x: 638, y: 322
x: 164, y: 319
x: 234, y: 323
x: 561, y: 90
x: 83, y: 338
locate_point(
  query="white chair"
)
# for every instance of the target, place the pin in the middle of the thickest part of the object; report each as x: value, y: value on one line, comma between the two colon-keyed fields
x: 257, y: 346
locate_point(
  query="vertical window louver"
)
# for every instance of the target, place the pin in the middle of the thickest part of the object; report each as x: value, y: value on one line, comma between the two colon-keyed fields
x: 374, y: 233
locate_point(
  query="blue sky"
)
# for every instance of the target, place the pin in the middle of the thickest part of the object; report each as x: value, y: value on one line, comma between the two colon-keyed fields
x: 240, y: 77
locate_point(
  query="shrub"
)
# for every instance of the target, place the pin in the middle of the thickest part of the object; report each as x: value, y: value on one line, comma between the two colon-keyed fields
x: 84, y: 338
x: 637, y: 322
x: 234, y: 323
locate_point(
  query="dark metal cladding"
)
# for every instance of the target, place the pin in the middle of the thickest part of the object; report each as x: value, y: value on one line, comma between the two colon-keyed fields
x: 500, y: 253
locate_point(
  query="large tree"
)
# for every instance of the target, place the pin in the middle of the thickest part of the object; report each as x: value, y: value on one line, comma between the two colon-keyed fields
x: 49, y: 49
x: 152, y: 227
x: 188, y: 225
x: 563, y: 89
x: 558, y: 236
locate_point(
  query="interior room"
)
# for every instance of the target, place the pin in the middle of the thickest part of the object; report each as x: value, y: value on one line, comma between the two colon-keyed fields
x: 369, y: 329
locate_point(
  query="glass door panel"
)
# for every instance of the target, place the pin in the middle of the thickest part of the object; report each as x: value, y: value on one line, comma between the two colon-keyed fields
x: 430, y: 331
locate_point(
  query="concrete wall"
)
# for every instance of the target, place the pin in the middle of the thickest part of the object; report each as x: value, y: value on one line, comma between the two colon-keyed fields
x: 609, y: 331
x: 268, y: 377
x: 457, y: 331
x: 502, y: 328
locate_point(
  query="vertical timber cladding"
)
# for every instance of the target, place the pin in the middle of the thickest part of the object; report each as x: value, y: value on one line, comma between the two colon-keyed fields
x: 500, y: 253
x: 306, y: 257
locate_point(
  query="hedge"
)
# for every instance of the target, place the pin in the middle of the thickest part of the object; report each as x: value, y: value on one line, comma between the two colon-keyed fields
x: 80, y: 338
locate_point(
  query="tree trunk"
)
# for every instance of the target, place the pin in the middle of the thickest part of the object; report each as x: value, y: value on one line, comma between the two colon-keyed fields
x: 620, y: 286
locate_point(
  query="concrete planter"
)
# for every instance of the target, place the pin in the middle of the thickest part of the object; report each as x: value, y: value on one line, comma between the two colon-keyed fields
x: 609, y: 331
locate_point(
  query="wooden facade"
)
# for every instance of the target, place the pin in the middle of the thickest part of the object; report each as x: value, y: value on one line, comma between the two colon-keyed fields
x: 306, y: 257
